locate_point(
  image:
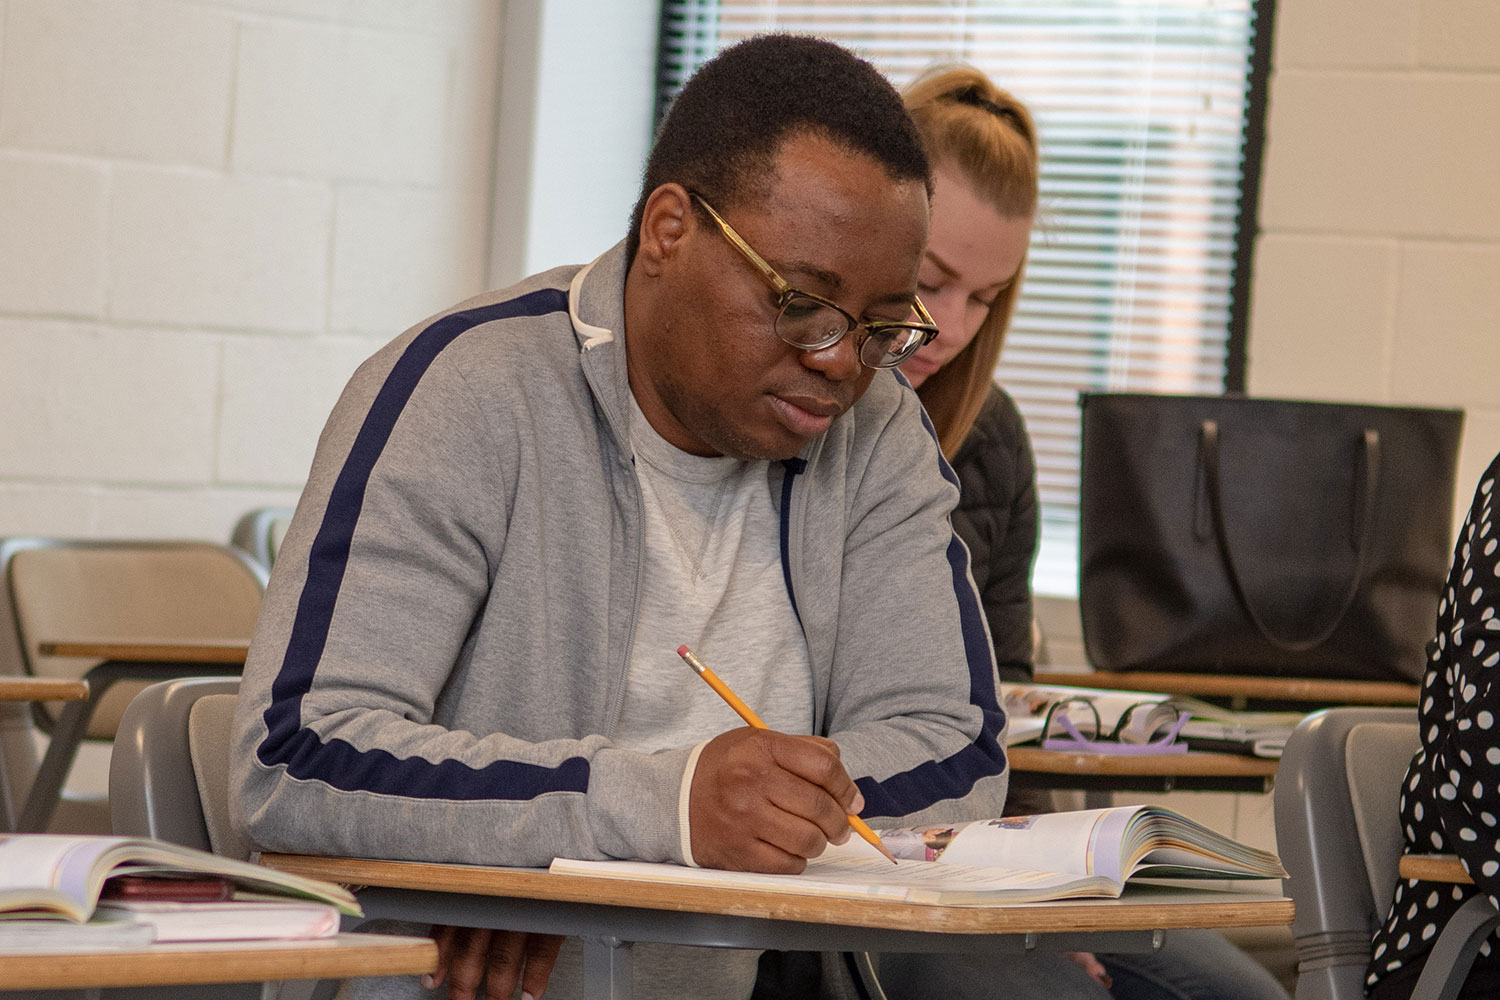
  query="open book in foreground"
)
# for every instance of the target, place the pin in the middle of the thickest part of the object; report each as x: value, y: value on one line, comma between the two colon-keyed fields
x: 1018, y: 859
x: 1136, y: 717
x: 51, y: 888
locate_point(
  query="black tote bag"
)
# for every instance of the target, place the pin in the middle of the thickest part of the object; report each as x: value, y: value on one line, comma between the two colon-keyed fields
x: 1263, y: 536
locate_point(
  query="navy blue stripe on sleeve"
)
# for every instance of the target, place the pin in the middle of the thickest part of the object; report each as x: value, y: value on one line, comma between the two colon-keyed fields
x: 337, y: 762
x: 952, y: 778
x: 791, y: 469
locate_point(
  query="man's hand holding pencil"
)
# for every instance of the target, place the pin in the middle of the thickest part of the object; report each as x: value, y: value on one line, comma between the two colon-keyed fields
x: 767, y: 801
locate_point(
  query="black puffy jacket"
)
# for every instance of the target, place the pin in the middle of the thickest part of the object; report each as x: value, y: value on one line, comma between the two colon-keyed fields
x: 997, y: 519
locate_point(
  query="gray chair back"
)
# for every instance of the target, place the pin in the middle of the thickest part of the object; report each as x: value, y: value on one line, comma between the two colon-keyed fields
x: 259, y: 532
x: 1338, y: 834
x: 168, y: 776
x: 169, y: 779
x: 123, y: 590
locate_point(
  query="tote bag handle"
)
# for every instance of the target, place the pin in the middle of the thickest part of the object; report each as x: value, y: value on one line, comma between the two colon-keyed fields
x: 1362, y: 517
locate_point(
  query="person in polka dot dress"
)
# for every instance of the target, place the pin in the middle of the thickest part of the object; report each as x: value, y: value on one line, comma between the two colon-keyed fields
x: 1450, y: 800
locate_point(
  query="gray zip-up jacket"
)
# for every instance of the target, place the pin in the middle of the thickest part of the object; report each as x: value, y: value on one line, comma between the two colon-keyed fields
x: 441, y: 654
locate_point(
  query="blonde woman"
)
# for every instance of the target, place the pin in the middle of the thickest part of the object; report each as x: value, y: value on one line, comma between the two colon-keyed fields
x: 983, y: 147
x: 984, y: 154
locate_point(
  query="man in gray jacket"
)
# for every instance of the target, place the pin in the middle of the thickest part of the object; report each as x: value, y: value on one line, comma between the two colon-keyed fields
x: 520, y: 508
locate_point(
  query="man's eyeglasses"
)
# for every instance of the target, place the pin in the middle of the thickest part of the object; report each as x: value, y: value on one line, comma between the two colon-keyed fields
x: 812, y: 322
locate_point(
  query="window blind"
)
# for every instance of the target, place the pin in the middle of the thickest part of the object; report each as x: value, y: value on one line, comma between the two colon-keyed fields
x: 1142, y: 108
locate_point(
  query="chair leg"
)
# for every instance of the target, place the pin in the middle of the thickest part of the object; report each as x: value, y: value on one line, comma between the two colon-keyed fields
x: 73, y: 724
x: 1452, y: 955
x: 46, y: 787
x: 861, y: 968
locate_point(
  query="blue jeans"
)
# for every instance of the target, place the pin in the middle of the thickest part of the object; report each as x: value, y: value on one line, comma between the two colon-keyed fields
x: 1190, y: 965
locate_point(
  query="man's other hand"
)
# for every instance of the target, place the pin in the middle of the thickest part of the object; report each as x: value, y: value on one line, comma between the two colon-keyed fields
x: 765, y: 801
x: 468, y: 956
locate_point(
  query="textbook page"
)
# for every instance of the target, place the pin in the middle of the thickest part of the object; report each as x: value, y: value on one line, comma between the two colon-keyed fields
x: 1088, y: 852
x: 839, y: 874
x: 1114, y: 844
x: 1079, y: 843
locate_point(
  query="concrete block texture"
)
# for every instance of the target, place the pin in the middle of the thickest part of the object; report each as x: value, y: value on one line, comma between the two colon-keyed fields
x: 328, y: 101
x: 277, y: 393
x: 210, y: 212
x: 1401, y: 154
x: 1447, y: 331
x: 95, y: 404
x: 1347, y: 34
x: 1321, y: 317
x: 48, y: 508
x: 192, y: 248
x: 140, y: 79
x: 399, y: 256
x: 1460, y: 34
x: 83, y: 510
x: 158, y: 512
x: 52, y: 236
x: 433, y: 17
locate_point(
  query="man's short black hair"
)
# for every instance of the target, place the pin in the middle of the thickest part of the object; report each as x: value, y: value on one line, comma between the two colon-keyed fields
x: 724, y: 129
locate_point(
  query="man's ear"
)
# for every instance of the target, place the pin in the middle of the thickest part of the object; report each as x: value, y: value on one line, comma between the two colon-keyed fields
x: 664, y: 221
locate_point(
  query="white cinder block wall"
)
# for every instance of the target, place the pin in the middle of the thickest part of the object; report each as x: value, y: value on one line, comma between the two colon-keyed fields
x: 1377, y: 271
x: 210, y: 212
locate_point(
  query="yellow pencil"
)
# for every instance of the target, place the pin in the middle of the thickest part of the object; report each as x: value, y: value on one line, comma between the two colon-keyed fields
x: 751, y: 719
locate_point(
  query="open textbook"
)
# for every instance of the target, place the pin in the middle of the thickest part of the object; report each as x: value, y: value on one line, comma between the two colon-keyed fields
x: 1143, y: 716
x: 1018, y: 859
x: 55, y: 879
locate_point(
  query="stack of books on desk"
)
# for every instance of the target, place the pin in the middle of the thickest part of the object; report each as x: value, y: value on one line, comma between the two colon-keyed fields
x: 77, y: 893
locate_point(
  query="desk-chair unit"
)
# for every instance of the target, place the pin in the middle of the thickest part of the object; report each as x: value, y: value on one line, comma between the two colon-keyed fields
x: 169, y: 773
x: 259, y: 532
x: 58, y: 589
x: 1338, y: 833
x: 169, y: 779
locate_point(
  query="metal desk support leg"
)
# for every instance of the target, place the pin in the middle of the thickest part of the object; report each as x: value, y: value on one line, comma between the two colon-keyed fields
x: 606, y: 968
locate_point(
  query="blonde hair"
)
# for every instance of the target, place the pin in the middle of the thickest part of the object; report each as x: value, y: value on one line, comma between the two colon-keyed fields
x: 972, y: 126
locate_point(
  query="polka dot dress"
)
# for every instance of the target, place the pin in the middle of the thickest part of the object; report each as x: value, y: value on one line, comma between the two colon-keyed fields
x: 1450, y: 801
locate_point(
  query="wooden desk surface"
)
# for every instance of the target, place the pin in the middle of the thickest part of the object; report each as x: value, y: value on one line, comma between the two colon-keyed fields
x: 1434, y: 868
x: 150, y: 651
x: 222, y: 962
x: 42, y: 689
x: 1136, y: 911
x: 1191, y: 764
x: 1308, y: 689
x: 1213, y: 685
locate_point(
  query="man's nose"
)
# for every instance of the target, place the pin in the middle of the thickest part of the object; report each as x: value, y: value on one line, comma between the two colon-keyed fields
x: 839, y: 361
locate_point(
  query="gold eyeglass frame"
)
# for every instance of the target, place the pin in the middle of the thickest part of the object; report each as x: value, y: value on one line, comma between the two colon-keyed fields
x: 785, y: 293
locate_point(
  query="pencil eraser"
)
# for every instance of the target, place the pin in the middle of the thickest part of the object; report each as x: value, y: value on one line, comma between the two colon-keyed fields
x: 682, y: 650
